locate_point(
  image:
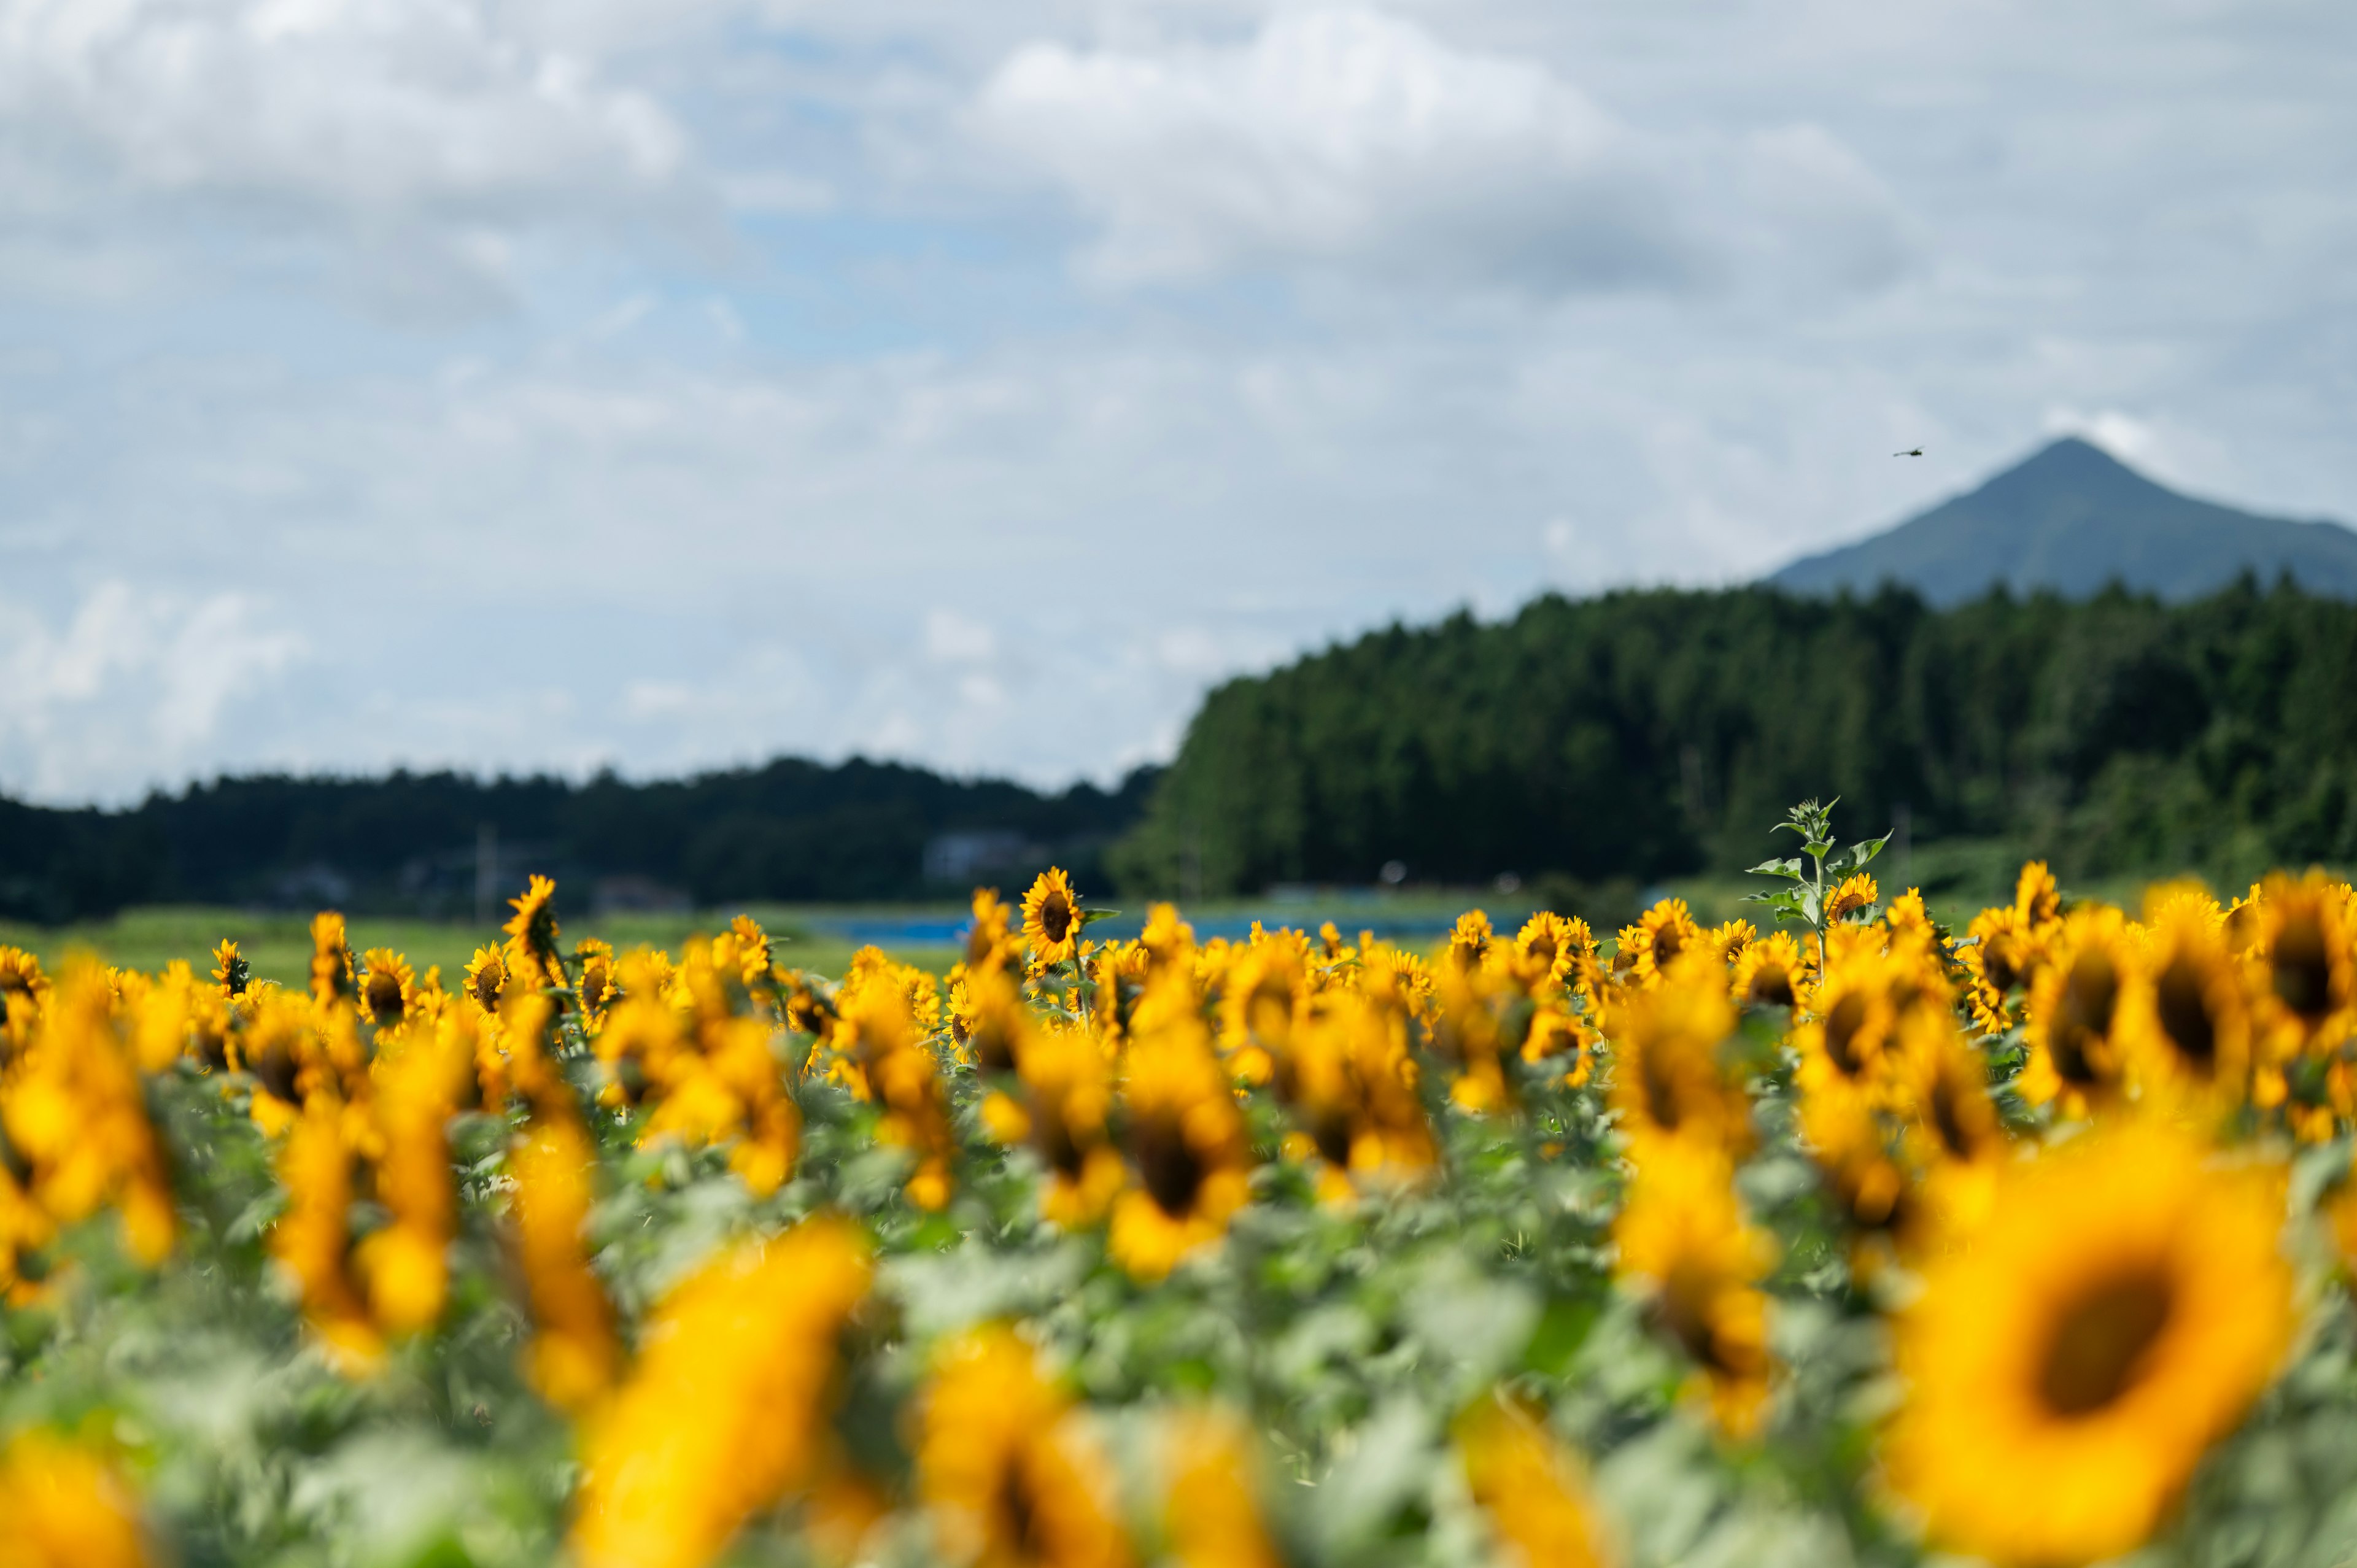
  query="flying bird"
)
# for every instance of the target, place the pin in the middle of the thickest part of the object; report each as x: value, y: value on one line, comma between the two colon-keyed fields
x: 1910, y: 452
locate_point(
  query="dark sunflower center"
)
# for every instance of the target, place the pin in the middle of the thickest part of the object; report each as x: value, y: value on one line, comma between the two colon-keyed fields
x: 1331, y: 1132
x: 1171, y: 1169
x: 1019, y: 1507
x: 2089, y: 993
x: 1998, y: 964
x: 1542, y: 948
x: 2102, y: 1342
x: 1055, y: 916
x: 1842, y: 1026
x: 1668, y: 942
x: 487, y: 987
x: 276, y: 1068
x: 1771, y: 987
x: 1056, y: 1144
x: 2184, y: 1007
x: 2303, y: 969
x: 994, y: 1046
x: 384, y: 997
x: 1660, y: 1089
x: 1948, y: 1120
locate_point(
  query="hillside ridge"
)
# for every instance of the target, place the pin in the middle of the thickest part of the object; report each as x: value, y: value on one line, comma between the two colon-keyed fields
x: 2075, y: 519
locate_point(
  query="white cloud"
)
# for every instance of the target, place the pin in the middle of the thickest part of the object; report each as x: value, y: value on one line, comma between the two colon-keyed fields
x: 955, y: 639
x: 131, y: 689
x: 1352, y: 140
x: 418, y: 133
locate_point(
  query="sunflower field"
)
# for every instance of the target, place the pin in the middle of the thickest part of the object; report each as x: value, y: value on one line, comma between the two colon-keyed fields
x: 1838, y: 1237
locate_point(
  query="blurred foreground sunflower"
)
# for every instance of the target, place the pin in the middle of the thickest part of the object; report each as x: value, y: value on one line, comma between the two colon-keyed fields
x: 2120, y: 1310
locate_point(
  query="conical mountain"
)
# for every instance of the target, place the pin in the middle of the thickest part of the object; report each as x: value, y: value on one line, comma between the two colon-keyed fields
x: 2075, y: 519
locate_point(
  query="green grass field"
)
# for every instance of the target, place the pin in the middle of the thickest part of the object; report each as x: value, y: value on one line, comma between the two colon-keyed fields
x: 278, y: 945
x: 1960, y: 877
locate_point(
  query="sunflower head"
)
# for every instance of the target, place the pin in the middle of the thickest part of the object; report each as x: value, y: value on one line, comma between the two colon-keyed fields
x: 230, y: 970
x: 2079, y: 1005
x: 1051, y: 919
x: 487, y: 978
x: 1855, y: 895
x: 387, y: 986
x: 1006, y: 1467
x: 2305, y: 948
x: 65, y: 1504
x: 1185, y: 1138
x: 1668, y: 1077
x: 1468, y: 942
x: 1771, y: 971
x: 532, y: 932
x: 2119, y: 1310
x: 1532, y: 1488
x: 1167, y: 942
x: 1654, y: 942
x: 22, y: 986
x: 2037, y: 901
x: 1686, y: 1248
x: 1211, y: 1504
x: 331, y: 958
x: 2189, y: 1026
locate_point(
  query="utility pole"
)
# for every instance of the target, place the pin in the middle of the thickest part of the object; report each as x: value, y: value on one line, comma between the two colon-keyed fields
x: 487, y: 873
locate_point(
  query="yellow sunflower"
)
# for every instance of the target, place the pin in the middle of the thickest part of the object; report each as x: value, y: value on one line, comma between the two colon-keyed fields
x: 1067, y: 1099
x: 2078, y: 1007
x: 1185, y: 1140
x: 2188, y: 1028
x: 1211, y: 1510
x: 1468, y: 944
x: 387, y: 985
x: 1052, y: 918
x: 331, y: 958
x: 2118, y: 1315
x: 2309, y: 972
x: 2037, y: 901
x: 1530, y: 1486
x: 2000, y: 956
x: 1550, y: 942
x: 1667, y: 1078
x: 1772, y: 972
x: 1954, y: 1138
x: 487, y: 978
x: 1686, y: 1248
x: 1006, y: 1467
x: 1660, y: 935
x: 65, y: 1508
x: 1854, y: 895
x: 531, y: 934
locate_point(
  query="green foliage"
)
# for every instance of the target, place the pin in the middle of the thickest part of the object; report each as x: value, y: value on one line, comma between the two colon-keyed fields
x: 1645, y: 734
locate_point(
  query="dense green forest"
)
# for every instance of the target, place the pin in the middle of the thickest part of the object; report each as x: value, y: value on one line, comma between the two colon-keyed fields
x: 791, y: 830
x: 1650, y: 734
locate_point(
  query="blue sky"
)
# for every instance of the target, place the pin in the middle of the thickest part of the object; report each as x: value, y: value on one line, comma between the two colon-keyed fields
x: 559, y: 384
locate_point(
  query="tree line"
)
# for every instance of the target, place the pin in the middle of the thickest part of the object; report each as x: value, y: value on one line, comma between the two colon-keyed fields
x: 794, y: 829
x: 1647, y: 734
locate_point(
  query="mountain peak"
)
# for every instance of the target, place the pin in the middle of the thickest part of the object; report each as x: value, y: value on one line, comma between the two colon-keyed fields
x: 2073, y: 518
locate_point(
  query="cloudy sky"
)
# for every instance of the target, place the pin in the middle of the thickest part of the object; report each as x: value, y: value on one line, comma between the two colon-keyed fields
x: 521, y: 384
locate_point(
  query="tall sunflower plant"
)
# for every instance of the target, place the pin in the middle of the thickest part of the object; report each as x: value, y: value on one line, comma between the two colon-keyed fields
x: 1827, y: 880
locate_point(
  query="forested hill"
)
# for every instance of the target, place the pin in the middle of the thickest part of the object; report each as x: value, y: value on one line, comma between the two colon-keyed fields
x: 1644, y: 733
x: 791, y: 830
